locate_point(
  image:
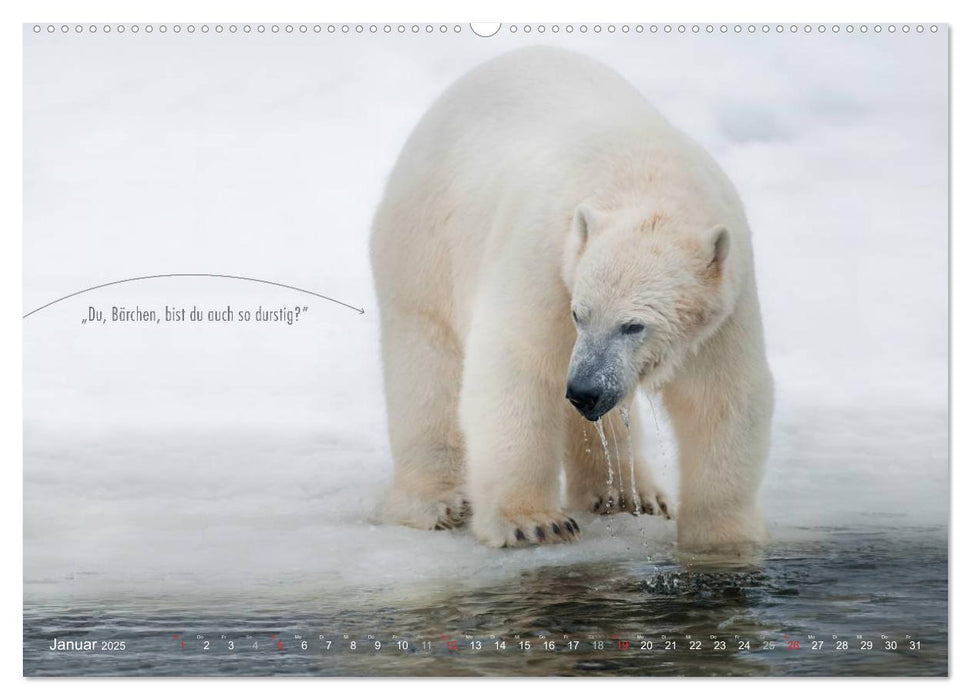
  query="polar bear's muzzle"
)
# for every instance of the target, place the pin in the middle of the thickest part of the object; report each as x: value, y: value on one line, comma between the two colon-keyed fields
x: 594, y: 384
x: 588, y: 399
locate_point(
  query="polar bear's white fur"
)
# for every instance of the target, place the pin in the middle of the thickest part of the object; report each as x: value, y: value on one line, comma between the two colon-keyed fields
x: 546, y: 232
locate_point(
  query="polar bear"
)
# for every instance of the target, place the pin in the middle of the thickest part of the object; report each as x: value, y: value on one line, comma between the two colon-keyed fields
x: 547, y: 244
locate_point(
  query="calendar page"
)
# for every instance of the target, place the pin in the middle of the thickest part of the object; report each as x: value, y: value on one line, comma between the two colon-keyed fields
x: 422, y: 349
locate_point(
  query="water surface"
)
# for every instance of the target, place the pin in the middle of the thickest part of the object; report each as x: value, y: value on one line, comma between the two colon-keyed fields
x: 869, y: 590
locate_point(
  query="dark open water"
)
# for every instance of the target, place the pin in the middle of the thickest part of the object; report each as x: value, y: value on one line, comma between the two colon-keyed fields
x: 877, y: 603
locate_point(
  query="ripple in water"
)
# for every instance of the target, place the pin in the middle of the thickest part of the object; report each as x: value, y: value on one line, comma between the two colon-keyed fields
x: 624, y: 618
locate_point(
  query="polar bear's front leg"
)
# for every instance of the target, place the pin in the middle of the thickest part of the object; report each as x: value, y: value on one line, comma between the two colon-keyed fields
x: 722, y: 422
x: 511, y: 415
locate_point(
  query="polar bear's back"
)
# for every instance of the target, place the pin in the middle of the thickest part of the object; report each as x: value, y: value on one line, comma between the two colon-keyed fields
x: 536, y: 100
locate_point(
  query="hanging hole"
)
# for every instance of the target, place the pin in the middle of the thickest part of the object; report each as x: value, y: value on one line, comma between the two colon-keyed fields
x: 485, y: 29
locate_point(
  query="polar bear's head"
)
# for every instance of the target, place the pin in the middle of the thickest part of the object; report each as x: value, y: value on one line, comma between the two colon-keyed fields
x: 646, y: 290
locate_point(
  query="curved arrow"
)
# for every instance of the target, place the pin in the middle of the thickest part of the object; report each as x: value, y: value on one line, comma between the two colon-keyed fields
x: 192, y: 274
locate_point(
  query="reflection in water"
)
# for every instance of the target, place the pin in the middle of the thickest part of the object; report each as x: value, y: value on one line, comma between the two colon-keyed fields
x: 700, y: 617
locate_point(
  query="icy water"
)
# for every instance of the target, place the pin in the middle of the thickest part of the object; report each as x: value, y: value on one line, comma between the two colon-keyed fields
x: 875, y: 603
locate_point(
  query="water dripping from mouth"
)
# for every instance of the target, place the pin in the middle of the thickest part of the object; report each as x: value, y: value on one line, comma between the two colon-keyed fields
x: 657, y: 431
x: 606, y: 449
x: 610, y: 468
x: 620, y: 471
x: 635, y: 496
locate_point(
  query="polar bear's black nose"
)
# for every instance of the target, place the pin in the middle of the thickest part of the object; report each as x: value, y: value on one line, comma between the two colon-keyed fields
x: 583, y: 397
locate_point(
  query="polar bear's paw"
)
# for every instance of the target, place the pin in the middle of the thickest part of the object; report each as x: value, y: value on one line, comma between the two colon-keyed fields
x: 443, y: 512
x: 649, y: 501
x: 524, y: 529
x: 451, y: 512
x: 654, y: 502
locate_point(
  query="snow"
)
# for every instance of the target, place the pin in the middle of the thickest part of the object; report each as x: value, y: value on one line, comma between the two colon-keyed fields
x: 221, y: 456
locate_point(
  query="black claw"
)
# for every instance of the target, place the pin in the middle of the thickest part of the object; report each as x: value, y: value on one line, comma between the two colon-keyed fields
x: 575, y: 526
x: 439, y: 526
x: 556, y: 529
x: 448, y: 512
x: 568, y: 526
x: 540, y: 534
x: 598, y: 504
x: 648, y: 508
x: 519, y: 535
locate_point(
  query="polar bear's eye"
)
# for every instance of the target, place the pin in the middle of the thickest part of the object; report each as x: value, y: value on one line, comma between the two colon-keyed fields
x: 632, y: 328
x: 575, y: 318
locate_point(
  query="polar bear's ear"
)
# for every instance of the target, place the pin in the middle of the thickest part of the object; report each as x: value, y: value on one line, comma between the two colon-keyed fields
x: 585, y: 221
x: 716, y: 241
